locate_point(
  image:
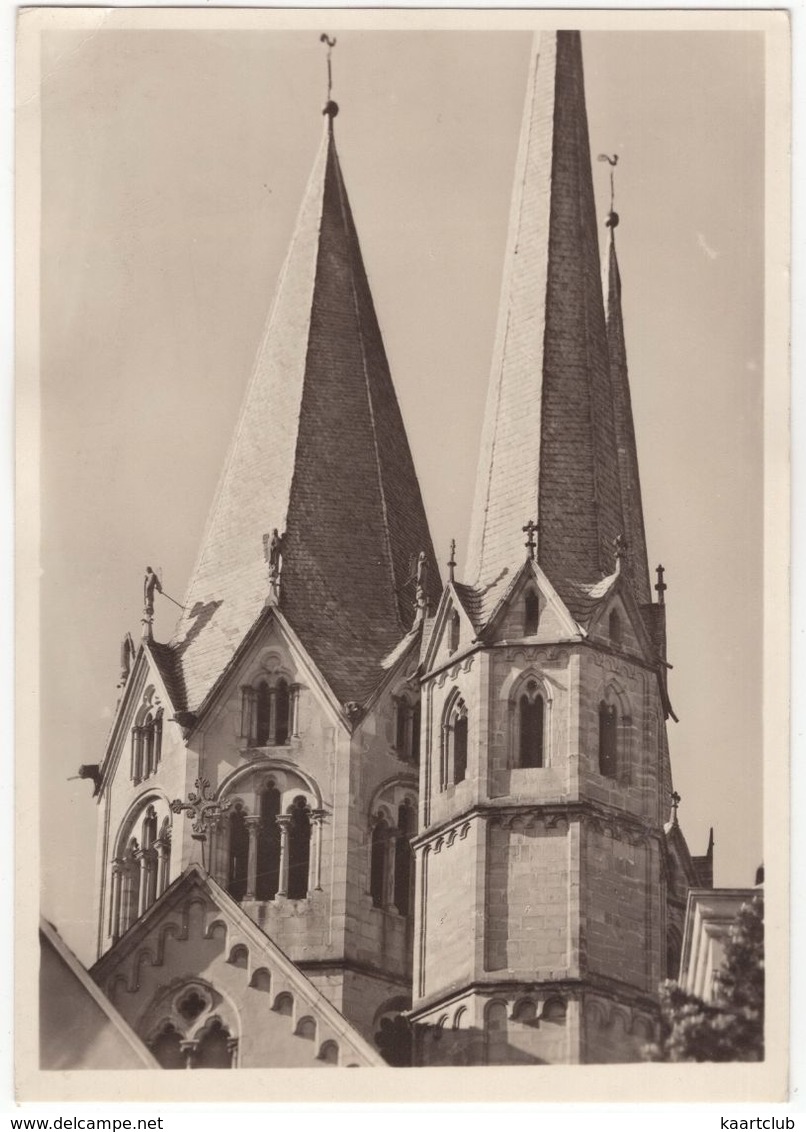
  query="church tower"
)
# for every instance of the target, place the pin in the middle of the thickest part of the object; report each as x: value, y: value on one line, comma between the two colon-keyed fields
x: 272, y: 743
x: 542, y: 858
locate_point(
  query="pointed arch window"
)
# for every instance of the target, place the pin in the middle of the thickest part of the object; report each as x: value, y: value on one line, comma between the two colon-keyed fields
x: 531, y: 726
x: 391, y: 861
x: 146, y: 743
x: 377, y: 870
x: 531, y: 614
x: 608, y: 739
x: 454, y: 631
x: 454, y: 743
x: 407, y: 728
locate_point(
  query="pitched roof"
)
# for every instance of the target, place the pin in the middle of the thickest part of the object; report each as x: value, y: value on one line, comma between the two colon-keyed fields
x: 549, y: 447
x: 320, y: 454
x: 636, y: 563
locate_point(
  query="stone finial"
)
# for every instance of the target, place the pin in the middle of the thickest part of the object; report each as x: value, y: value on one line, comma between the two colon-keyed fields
x: 612, y: 216
x: 660, y: 585
x: 676, y: 799
x: 452, y: 561
x: 331, y: 108
x: 127, y: 653
x: 203, y: 810
x: 420, y: 598
x: 620, y: 551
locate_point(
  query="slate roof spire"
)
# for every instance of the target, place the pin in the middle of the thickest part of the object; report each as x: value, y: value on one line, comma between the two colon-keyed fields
x: 549, y: 445
x: 637, y: 564
x: 320, y: 456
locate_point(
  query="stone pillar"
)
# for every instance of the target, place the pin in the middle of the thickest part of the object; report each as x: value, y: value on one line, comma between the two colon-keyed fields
x: 143, y: 862
x: 137, y: 754
x: 284, y: 822
x: 117, y: 879
x: 232, y: 1050
x: 188, y: 1049
x: 252, y: 825
x: 315, y: 870
x: 293, y: 711
x: 218, y: 850
x: 272, y: 738
x: 390, y: 852
x: 163, y: 848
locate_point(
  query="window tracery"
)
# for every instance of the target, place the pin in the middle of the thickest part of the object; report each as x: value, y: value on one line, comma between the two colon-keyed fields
x: 193, y: 1030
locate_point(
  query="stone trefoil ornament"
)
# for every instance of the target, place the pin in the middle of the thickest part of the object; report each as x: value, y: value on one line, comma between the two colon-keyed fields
x: 203, y: 810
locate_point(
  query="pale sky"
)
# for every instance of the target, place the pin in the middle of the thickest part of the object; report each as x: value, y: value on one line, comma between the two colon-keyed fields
x: 173, y: 164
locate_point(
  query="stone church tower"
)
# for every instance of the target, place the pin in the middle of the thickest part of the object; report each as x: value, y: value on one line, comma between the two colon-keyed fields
x: 340, y: 810
x: 541, y: 860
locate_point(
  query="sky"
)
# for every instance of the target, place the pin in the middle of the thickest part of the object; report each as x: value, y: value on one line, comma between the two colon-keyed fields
x: 173, y: 164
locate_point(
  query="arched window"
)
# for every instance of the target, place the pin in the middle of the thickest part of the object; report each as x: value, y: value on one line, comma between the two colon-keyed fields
x: 530, y: 726
x: 167, y: 1048
x: 263, y: 721
x: 130, y: 889
x: 214, y: 1049
x: 282, y: 711
x: 299, y: 849
x: 407, y: 729
x: 146, y: 741
x: 614, y: 628
x: 267, y: 877
x: 402, y: 881
x: 238, y: 854
x: 377, y: 869
x: 453, y: 637
x: 531, y: 613
x: 608, y: 734
x: 454, y: 744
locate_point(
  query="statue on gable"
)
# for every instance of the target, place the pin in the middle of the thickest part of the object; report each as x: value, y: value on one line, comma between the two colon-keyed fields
x: 273, y: 552
x: 150, y: 584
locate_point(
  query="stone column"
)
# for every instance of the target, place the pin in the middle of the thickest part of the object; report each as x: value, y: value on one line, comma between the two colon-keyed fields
x: 272, y: 738
x: 390, y: 852
x: 117, y: 878
x: 137, y: 754
x: 293, y: 710
x: 188, y: 1049
x: 315, y: 870
x: 284, y: 822
x: 252, y: 826
x: 163, y: 848
x: 143, y: 864
x: 232, y: 1050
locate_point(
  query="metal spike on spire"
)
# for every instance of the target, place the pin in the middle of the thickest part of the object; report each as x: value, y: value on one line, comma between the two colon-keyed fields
x: 612, y: 216
x: 331, y: 107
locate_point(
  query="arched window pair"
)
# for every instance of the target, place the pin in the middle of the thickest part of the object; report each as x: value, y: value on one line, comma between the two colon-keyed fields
x: 390, y: 866
x: 146, y: 744
x: 269, y: 713
x: 270, y: 852
x: 407, y: 730
x: 530, y: 717
x: 140, y: 874
x: 608, y: 739
x: 215, y: 1049
x: 454, y: 743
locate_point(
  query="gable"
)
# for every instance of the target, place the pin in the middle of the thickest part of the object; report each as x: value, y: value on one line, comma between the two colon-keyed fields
x: 195, y: 962
x: 617, y: 623
x: 452, y: 630
x: 516, y: 618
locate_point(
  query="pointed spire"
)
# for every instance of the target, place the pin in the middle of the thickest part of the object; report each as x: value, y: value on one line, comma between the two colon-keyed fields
x: 637, y: 565
x: 549, y: 439
x: 319, y: 484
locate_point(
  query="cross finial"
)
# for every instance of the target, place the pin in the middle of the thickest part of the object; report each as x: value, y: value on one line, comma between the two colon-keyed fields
x: 331, y: 108
x: 660, y: 585
x: 202, y: 809
x: 452, y: 560
x: 612, y: 216
x: 676, y: 799
x: 529, y: 530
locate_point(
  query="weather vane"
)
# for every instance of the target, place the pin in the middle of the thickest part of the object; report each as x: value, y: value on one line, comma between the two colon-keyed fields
x: 331, y: 43
x: 612, y: 218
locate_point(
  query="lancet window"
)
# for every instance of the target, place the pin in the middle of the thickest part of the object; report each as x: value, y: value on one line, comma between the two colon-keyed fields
x: 531, y: 613
x: 608, y: 739
x: 454, y: 629
x: 530, y: 719
x: 614, y: 628
x: 269, y: 712
x: 454, y: 743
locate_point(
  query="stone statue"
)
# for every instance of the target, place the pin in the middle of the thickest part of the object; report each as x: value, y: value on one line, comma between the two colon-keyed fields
x: 150, y: 584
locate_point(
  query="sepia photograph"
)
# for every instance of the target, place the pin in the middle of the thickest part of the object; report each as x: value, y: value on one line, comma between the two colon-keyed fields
x: 403, y: 443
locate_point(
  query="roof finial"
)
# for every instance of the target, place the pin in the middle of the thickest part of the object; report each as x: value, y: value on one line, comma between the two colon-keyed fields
x: 452, y: 560
x: 529, y: 530
x: 331, y: 107
x: 612, y: 216
x: 660, y: 585
x: 620, y: 551
x: 675, y: 803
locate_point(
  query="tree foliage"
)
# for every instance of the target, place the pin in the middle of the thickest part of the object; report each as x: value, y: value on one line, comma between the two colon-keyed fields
x: 731, y: 1026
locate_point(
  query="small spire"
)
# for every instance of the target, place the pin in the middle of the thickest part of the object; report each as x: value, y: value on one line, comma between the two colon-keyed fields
x: 620, y: 551
x: 529, y: 530
x: 676, y: 800
x: 612, y: 216
x: 452, y: 561
x: 331, y: 108
x: 660, y: 585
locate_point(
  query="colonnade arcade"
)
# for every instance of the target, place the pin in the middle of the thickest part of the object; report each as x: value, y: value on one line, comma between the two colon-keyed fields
x: 141, y: 863
x: 268, y: 842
